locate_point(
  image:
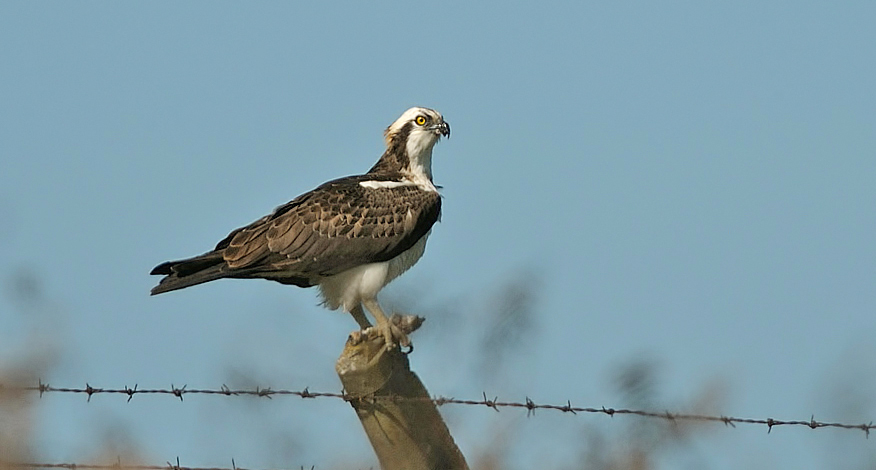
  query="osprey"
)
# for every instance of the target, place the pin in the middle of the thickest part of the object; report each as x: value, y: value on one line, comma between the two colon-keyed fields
x: 350, y: 236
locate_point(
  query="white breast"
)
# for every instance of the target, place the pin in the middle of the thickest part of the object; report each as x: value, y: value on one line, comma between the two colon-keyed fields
x: 347, y: 289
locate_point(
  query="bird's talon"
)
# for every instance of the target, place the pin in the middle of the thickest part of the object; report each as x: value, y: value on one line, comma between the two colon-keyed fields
x: 394, y: 336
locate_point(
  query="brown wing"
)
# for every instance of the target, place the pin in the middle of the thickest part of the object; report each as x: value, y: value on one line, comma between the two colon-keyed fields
x: 333, y: 228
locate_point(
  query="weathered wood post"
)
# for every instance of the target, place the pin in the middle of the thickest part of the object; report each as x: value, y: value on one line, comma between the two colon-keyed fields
x: 405, y: 434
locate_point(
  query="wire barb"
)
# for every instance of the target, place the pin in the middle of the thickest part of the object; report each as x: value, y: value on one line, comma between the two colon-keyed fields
x: 130, y: 392
x: 90, y: 391
x: 568, y: 408
x: 487, y: 403
x: 530, y: 407
x: 178, y: 392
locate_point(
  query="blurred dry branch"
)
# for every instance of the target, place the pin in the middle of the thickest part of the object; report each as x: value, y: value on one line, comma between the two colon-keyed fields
x: 511, y: 322
x: 531, y: 406
x: 16, y: 415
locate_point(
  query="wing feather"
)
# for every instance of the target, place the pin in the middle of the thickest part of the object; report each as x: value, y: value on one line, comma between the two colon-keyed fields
x: 247, y: 247
x: 335, y: 227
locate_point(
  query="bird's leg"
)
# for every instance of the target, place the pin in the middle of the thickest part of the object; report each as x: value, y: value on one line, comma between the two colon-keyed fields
x: 359, y: 316
x: 391, y: 333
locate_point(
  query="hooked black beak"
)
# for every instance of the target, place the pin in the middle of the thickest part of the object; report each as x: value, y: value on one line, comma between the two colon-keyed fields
x: 443, y: 129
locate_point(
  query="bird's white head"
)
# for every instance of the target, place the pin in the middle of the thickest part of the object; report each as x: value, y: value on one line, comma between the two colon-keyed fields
x: 415, y: 132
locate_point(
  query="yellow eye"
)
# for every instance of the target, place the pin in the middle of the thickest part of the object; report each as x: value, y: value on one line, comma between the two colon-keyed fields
x: 421, y: 120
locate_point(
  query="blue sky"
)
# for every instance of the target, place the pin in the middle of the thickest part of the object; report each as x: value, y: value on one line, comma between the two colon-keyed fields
x: 690, y: 183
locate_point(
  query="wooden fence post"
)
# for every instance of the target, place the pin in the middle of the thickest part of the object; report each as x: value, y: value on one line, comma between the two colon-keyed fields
x: 405, y: 434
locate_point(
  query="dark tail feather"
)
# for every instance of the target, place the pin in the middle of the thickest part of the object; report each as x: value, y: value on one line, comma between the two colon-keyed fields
x: 189, y: 272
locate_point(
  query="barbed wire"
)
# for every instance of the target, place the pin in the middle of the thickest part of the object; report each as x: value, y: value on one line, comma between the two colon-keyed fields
x: 530, y: 406
x: 118, y: 465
